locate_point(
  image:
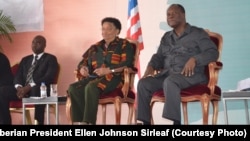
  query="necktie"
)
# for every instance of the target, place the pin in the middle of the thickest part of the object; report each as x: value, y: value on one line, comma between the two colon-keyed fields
x: 31, y: 69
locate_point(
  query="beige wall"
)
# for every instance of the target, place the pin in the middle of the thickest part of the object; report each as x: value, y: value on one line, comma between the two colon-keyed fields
x: 71, y: 26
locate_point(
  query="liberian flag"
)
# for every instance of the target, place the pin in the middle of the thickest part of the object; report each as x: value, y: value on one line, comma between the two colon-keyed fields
x: 134, y: 27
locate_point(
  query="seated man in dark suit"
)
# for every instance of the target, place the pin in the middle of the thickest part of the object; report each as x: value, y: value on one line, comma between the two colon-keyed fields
x: 25, y: 85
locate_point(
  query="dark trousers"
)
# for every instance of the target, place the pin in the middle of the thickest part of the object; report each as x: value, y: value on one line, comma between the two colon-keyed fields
x: 7, y: 94
x: 172, y: 86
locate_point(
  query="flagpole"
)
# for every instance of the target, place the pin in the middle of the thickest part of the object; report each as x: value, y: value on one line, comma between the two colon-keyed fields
x: 134, y: 32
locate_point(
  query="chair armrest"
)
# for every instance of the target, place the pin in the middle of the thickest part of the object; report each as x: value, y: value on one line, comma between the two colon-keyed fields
x: 77, y: 76
x: 129, y: 76
x: 68, y: 108
x: 214, y: 68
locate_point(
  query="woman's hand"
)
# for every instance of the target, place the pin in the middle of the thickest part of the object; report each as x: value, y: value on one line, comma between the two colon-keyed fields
x: 84, y: 71
x: 102, y: 71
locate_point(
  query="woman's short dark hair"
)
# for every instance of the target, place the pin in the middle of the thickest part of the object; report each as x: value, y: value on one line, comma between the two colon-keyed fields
x: 115, y: 21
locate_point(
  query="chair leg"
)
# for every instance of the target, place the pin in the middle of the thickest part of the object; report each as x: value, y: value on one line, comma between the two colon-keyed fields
x: 103, y: 113
x: 68, y: 110
x: 135, y: 115
x: 205, y: 108
x: 53, y: 109
x: 151, y: 110
x: 185, y: 115
x: 215, y: 112
x: 130, y: 114
x: 28, y: 117
x: 118, y: 111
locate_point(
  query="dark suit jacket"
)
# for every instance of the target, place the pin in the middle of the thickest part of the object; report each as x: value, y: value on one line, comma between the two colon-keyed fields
x: 45, y: 71
x: 6, y: 76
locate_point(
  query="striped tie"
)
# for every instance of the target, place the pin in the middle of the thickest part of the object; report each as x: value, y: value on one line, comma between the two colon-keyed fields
x: 31, y: 69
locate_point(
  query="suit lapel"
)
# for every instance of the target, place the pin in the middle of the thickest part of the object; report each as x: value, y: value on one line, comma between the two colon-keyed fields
x: 40, y: 60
